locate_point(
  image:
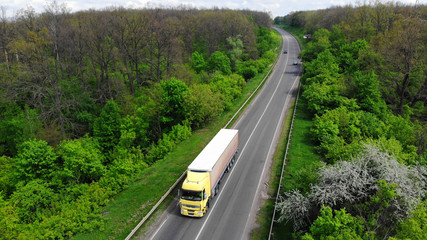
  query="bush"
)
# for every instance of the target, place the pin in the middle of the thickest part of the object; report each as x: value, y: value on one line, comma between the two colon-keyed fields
x: 35, y: 160
x: 202, y: 105
x: 218, y: 61
x: 82, y: 160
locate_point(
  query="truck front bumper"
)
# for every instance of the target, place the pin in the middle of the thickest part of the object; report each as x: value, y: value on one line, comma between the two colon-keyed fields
x: 192, y: 213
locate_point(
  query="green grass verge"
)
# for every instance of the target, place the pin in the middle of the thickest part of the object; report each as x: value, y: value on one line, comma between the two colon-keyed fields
x: 297, y: 32
x: 300, y: 155
x: 127, y: 208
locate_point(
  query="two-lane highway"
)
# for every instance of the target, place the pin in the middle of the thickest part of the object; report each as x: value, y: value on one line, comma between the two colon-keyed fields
x: 232, y: 212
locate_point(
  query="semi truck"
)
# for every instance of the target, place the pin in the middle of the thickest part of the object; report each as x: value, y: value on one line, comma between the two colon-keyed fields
x: 204, y: 174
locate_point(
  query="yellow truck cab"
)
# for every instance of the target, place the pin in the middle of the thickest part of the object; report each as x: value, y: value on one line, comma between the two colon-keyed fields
x: 195, y: 194
x: 206, y: 171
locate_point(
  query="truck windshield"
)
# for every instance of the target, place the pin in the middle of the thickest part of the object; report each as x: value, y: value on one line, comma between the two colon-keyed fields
x: 191, y: 195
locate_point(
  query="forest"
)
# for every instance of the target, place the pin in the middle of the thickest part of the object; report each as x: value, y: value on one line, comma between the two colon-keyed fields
x: 365, y: 88
x: 89, y: 99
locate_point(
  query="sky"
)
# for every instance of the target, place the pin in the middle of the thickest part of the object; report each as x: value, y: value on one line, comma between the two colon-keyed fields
x: 274, y: 7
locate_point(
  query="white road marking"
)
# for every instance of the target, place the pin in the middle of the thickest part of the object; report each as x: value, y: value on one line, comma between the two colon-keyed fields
x: 237, y: 161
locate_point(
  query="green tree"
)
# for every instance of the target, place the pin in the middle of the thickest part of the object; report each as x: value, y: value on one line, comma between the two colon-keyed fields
x: 106, y: 129
x: 9, y: 220
x: 230, y: 87
x: 172, y: 101
x: 7, y: 172
x: 218, y: 61
x: 35, y: 160
x: 202, y: 105
x: 17, y: 126
x: 32, y: 199
x: 368, y: 94
x: 82, y: 160
x: 336, y: 225
x: 414, y: 227
x: 198, y: 62
x: 320, y: 42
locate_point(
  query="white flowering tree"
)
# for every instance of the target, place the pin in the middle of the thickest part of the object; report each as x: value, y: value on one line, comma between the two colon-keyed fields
x: 374, y: 186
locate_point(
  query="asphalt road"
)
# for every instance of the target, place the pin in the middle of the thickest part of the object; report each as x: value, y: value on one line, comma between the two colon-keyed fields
x: 233, y: 210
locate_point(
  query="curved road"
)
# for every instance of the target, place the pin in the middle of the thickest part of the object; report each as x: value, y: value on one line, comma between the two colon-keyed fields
x: 233, y: 210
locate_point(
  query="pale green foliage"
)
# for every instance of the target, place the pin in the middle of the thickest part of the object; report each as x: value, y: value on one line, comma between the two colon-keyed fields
x: 35, y: 160
x: 414, y: 227
x: 167, y: 142
x: 82, y: 160
x: 198, y: 62
x: 218, y: 61
x: 338, y: 225
x: 202, y: 105
x: 32, y: 199
x: 235, y: 51
x: 230, y: 87
x: 9, y: 220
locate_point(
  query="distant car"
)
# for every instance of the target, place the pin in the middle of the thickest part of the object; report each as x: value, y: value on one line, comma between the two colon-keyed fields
x: 286, y: 51
x: 295, y: 62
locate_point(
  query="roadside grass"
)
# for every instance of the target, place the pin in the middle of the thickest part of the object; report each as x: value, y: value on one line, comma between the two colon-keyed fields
x: 300, y: 155
x: 127, y: 208
x: 297, y: 32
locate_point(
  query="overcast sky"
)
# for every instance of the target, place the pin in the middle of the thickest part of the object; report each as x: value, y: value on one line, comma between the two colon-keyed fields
x: 275, y: 7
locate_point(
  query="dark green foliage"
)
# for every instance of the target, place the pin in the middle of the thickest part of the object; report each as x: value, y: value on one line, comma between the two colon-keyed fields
x: 172, y: 101
x: 248, y: 72
x: 106, y: 129
x: 35, y: 160
x: 367, y: 93
x: 6, y: 175
x: 17, y: 126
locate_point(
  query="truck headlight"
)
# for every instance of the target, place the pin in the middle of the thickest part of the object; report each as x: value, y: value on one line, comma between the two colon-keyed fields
x: 200, y: 213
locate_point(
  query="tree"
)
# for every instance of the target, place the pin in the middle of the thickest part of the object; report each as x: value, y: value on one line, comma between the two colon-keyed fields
x: 82, y: 160
x: 32, y: 199
x: 414, y: 227
x: 336, y: 225
x: 372, y: 185
x: 198, y: 62
x: 106, y: 129
x: 403, y: 50
x: 35, y: 160
x: 202, y: 105
x: 368, y: 94
x: 218, y: 61
x: 172, y: 101
x: 17, y: 126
